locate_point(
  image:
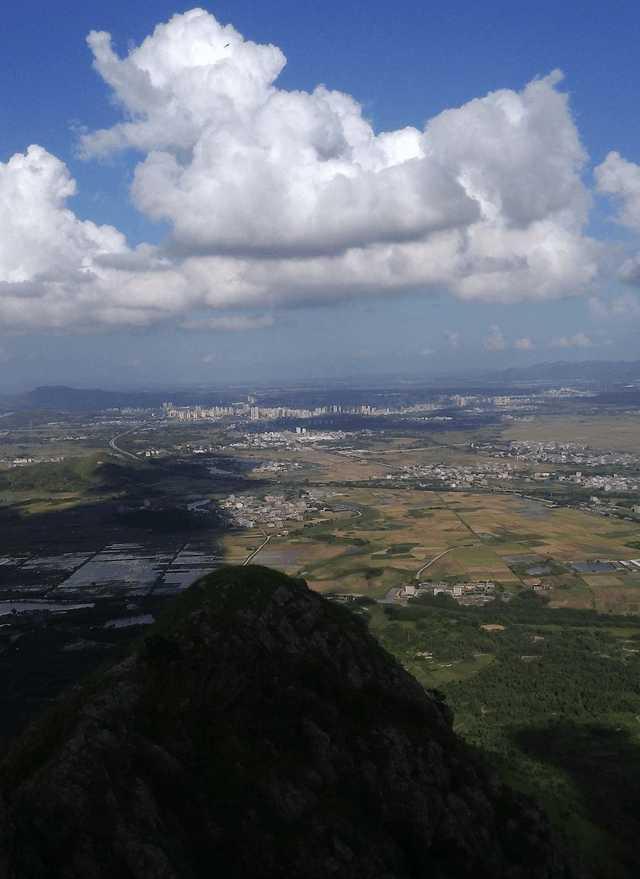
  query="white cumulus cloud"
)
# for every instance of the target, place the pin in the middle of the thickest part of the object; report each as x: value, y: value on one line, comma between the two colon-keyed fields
x: 238, y: 165
x: 277, y: 197
x: 57, y: 270
x: 486, y: 200
x: 578, y: 340
x: 620, y: 179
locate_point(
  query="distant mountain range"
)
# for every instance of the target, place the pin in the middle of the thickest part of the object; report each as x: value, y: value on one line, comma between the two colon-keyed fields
x: 60, y: 398
x: 601, y: 373
x: 592, y: 371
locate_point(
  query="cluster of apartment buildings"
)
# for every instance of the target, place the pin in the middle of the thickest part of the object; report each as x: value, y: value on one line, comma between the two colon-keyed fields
x: 270, y: 413
x: 254, y: 412
x: 205, y: 413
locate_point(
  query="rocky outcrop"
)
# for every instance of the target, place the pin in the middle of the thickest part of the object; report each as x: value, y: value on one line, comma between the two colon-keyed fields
x: 259, y: 731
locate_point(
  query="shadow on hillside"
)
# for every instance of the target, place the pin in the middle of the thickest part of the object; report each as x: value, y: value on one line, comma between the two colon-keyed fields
x: 147, y: 499
x: 604, y: 764
x: 42, y: 654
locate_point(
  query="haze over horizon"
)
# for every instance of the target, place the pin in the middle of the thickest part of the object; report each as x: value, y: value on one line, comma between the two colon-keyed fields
x: 241, y: 193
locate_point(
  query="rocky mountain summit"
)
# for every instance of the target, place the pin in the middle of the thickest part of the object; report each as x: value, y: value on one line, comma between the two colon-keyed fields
x: 258, y: 731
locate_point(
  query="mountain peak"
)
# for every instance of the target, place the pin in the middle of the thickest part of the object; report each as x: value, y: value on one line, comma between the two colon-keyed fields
x: 258, y: 731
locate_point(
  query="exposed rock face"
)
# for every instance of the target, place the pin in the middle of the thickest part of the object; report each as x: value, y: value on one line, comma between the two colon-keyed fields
x: 259, y: 732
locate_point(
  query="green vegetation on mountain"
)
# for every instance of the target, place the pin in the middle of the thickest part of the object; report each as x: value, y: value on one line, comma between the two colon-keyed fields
x: 552, y: 696
x: 259, y: 731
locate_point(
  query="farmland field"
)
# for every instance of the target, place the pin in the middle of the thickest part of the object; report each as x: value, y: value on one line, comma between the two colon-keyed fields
x: 620, y: 432
x: 393, y: 533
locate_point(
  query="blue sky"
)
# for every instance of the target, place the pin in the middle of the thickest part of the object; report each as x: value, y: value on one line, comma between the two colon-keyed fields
x: 405, y: 64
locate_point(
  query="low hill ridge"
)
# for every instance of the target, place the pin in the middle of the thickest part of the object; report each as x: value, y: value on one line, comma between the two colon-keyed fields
x: 258, y: 731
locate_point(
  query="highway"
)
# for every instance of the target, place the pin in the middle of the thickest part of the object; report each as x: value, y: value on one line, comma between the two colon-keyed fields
x: 113, y: 443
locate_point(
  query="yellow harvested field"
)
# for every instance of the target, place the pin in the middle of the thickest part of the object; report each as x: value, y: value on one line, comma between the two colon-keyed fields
x: 621, y: 433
